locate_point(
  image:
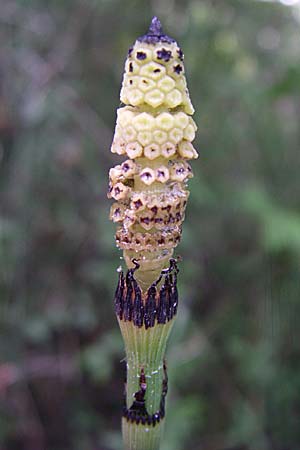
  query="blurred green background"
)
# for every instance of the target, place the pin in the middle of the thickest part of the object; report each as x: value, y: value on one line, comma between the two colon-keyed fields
x: 234, y: 355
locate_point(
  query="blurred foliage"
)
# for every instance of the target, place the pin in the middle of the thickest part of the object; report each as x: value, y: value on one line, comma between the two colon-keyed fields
x: 234, y: 363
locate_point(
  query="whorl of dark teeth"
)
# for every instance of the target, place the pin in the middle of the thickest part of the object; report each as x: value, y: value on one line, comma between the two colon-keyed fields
x: 158, y: 306
x: 155, y: 34
x: 137, y: 413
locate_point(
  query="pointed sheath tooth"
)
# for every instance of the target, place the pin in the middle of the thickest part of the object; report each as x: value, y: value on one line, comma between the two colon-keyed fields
x: 162, y: 305
x: 119, y: 296
x: 168, y: 299
x: 150, y: 307
x: 128, y: 304
x: 144, y: 419
x: 174, y: 298
x: 138, y: 307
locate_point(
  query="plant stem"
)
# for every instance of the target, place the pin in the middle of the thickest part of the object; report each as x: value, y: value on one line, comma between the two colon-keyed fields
x: 155, y: 130
x: 139, y: 437
x: 145, y: 349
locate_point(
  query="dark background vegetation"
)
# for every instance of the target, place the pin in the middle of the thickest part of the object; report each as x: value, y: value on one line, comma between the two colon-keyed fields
x: 233, y: 358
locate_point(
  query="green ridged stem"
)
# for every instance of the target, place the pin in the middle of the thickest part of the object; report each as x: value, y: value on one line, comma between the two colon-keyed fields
x: 144, y: 349
x: 140, y: 437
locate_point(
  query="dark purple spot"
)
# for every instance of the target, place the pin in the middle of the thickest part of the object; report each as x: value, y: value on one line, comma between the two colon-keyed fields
x: 130, y: 51
x: 141, y: 56
x: 145, y: 220
x: 154, y: 209
x: 164, y: 54
x: 130, y: 81
x: 130, y: 67
x: 156, y: 70
x: 125, y: 167
x: 180, y: 54
x: 178, y: 69
x: 138, y: 204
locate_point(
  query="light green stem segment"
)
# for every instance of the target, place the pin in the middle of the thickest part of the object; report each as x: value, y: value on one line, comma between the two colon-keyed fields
x: 145, y: 349
x: 151, y: 265
x: 140, y: 437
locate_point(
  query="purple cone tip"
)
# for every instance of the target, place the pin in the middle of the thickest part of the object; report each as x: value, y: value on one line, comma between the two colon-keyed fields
x: 155, y: 28
x: 155, y: 34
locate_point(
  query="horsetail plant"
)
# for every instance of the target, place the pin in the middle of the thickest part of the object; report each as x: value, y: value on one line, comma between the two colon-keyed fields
x: 154, y: 129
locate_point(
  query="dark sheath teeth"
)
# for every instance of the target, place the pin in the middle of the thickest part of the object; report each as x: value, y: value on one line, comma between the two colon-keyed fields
x: 137, y: 413
x: 158, y: 306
